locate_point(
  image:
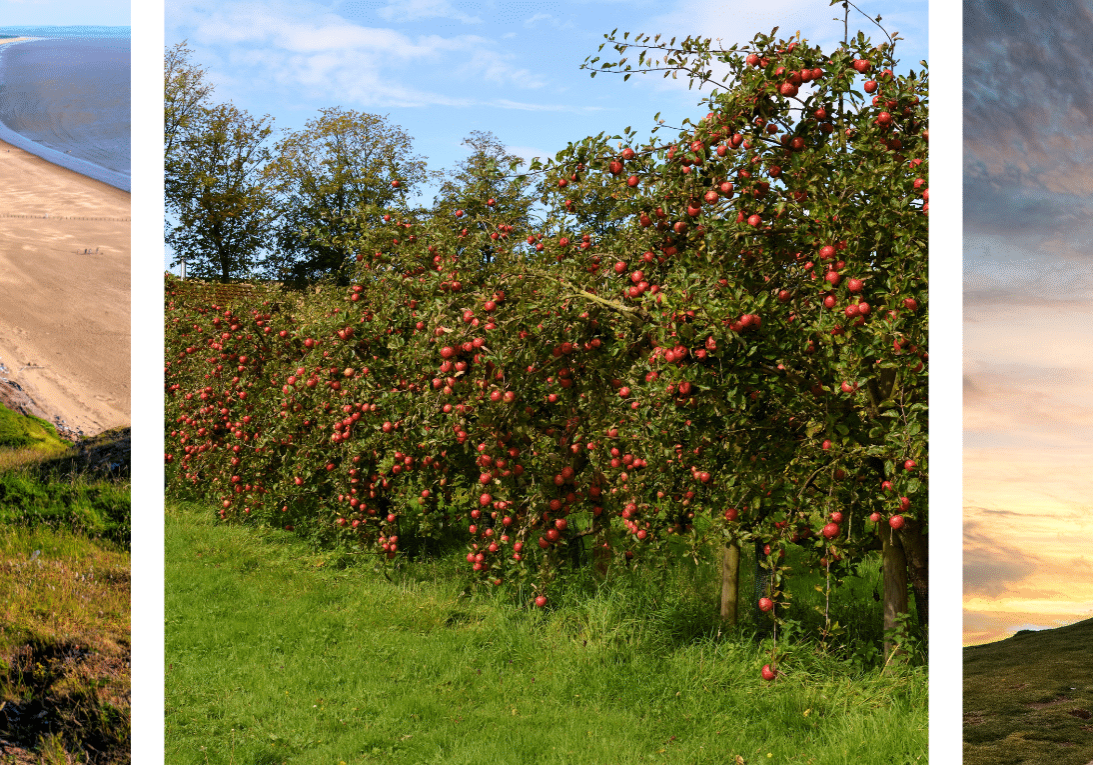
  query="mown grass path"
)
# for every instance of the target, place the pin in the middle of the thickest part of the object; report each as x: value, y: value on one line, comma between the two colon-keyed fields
x: 275, y: 656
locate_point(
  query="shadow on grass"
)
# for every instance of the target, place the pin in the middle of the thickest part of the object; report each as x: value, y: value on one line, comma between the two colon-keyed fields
x: 67, y: 697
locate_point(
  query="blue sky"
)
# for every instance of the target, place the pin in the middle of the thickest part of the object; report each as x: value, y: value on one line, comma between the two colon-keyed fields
x: 441, y: 69
x: 106, y: 13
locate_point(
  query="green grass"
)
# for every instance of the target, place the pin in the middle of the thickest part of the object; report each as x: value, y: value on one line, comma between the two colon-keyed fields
x: 64, y: 610
x: 96, y: 508
x: 19, y: 431
x: 278, y: 654
x: 60, y: 490
x: 1029, y: 699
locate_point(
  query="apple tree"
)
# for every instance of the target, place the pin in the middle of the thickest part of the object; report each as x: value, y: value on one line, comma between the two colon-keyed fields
x: 740, y: 357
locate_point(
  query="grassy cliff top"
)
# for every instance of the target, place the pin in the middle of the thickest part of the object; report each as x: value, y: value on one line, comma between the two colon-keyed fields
x: 1029, y: 698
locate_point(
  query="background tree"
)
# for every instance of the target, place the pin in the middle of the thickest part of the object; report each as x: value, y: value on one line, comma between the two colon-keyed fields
x: 591, y: 202
x: 217, y: 193
x: 334, y: 177
x: 186, y: 95
x: 481, y: 190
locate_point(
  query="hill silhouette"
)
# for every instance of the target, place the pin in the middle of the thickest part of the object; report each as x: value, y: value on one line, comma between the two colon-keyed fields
x: 1029, y: 698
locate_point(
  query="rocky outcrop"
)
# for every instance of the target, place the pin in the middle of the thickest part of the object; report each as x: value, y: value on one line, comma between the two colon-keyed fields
x: 13, y: 397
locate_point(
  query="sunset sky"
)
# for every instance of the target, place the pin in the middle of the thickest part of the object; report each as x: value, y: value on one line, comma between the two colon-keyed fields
x: 1028, y: 316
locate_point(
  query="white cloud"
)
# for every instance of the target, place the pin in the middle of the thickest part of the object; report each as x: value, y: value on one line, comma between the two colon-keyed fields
x: 416, y: 10
x: 552, y: 20
x: 504, y: 103
x: 494, y: 67
x: 302, y: 46
x: 527, y: 153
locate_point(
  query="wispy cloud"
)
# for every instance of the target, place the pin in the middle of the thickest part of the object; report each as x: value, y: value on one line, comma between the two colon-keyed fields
x: 547, y: 19
x: 304, y: 46
x: 991, y: 567
x: 527, y: 153
x: 417, y: 10
x: 495, y: 67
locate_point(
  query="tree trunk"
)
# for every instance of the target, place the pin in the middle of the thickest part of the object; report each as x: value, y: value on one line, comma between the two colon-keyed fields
x: 601, y: 555
x: 894, y: 564
x: 730, y: 582
x: 916, y: 548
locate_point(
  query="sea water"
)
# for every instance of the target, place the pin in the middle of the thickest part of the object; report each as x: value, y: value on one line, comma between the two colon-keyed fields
x: 65, y: 97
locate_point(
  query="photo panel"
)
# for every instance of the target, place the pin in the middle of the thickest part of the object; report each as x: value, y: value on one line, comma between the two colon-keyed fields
x: 542, y: 387
x: 65, y: 392
x: 1028, y: 571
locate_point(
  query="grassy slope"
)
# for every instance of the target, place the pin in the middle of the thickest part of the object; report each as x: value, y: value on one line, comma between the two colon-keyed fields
x: 64, y: 613
x: 27, y: 432
x: 274, y: 656
x: 1029, y: 699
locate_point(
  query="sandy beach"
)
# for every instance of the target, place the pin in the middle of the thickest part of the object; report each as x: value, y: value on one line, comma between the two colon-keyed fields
x: 64, y: 292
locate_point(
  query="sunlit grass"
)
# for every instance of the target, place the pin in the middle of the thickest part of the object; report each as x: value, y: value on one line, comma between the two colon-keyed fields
x: 276, y: 653
x: 28, y: 434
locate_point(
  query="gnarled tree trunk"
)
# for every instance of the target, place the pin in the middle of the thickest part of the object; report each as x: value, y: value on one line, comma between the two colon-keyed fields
x: 916, y: 548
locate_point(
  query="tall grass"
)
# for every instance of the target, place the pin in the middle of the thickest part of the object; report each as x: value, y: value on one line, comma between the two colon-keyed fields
x: 64, y: 610
x: 64, y: 645
x: 55, y: 489
x: 279, y: 653
x: 95, y: 508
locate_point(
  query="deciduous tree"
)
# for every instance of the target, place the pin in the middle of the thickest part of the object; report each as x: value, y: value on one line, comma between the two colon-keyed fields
x: 217, y: 195
x: 333, y: 178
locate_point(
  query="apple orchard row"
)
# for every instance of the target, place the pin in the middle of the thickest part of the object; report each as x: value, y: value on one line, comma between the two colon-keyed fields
x: 740, y: 356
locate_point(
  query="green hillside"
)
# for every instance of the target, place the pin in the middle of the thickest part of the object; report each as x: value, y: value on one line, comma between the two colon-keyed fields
x: 19, y: 431
x: 1029, y: 699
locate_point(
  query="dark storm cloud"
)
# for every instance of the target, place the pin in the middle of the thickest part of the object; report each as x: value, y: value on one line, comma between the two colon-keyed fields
x: 1024, y: 70
x: 1028, y: 129
x: 991, y: 566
